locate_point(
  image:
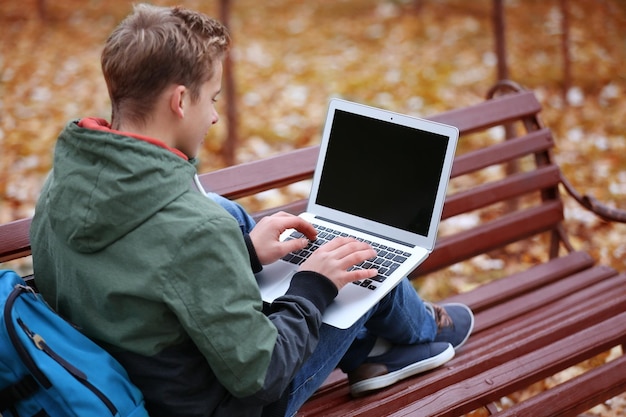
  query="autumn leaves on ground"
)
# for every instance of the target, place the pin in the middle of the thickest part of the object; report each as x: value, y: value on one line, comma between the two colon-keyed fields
x: 412, y: 56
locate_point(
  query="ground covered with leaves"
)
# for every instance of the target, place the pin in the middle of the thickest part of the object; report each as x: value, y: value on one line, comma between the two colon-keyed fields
x: 418, y: 57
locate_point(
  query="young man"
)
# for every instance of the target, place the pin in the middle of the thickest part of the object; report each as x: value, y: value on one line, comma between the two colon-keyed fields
x: 127, y: 247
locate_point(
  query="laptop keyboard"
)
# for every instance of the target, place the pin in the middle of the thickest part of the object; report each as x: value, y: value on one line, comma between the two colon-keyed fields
x: 388, y: 258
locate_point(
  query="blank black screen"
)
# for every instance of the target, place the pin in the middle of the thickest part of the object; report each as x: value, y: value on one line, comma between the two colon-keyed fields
x: 382, y: 171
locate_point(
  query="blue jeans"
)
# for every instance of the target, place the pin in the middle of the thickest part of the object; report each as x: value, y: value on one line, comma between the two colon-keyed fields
x: 400, y: 317
x: 246, y: 223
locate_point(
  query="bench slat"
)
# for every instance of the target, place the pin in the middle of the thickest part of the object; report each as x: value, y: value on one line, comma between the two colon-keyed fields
x: 497, y: 233
x: 514, y: 185
x: 523, y: 303
x: 295, y: 207
x: 261, y: 175
x: 537, y: 141
x: 509, y: 377
x: 14, y: 240
x: 576, y: 395
x: 489, y: 113
x: 556, y: 316
x: 509, y: 287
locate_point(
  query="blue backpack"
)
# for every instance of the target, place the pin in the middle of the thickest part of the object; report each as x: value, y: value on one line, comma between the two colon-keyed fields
x: 49, y: 368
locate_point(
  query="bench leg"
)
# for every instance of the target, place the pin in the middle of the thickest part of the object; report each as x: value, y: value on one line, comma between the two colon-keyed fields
x: 492, y: 408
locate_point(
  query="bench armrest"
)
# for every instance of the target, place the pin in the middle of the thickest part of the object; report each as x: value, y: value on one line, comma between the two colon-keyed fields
x: 601, y: 210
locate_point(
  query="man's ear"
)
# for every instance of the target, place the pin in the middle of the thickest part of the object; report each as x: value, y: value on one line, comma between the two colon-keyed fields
x: 178, y: 100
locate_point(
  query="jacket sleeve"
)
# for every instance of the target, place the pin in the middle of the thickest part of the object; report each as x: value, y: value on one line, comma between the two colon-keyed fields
x: 298, y: 317
x: 213, y: 292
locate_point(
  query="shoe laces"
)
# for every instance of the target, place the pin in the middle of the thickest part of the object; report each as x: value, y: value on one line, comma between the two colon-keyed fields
x: 442, y: 319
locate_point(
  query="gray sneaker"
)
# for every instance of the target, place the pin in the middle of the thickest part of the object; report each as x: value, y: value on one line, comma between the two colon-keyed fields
x: 455, y: 322
x: 400, y: 362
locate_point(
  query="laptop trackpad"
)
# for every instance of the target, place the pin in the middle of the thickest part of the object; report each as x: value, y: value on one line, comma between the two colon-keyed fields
x: 274, y: 279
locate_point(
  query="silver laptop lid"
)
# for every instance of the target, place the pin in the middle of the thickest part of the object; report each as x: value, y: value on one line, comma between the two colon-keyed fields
x: 383, y: 172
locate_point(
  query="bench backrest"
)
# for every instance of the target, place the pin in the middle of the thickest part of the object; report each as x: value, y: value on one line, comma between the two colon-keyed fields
x: 501, y: 191
x: 514, y: 182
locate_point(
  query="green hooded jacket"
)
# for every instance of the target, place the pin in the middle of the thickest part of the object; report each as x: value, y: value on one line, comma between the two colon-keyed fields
x: 160, y: 275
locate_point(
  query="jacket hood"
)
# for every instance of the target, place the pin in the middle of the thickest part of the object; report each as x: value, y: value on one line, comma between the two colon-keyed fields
x: 104, y: 184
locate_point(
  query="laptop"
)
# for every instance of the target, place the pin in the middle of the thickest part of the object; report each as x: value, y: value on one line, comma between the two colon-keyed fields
x: 380, y: 177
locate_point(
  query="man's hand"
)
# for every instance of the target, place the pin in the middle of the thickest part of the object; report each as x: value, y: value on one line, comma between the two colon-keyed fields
x: 265, y: 236
x: 335, y: 257
x: 332, y: 259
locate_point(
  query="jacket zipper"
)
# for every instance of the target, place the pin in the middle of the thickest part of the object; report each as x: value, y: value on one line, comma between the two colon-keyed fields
x: 41, y: 344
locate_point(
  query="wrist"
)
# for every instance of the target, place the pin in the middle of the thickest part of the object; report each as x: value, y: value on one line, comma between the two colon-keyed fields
x: 315, y: 287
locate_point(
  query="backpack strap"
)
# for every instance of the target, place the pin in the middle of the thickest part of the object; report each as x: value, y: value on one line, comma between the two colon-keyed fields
x: 21, y: 390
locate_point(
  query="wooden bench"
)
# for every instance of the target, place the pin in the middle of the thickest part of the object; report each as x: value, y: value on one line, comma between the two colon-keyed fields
x: 531, y: 324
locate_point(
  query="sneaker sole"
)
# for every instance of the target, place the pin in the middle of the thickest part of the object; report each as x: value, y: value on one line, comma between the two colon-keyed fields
x: 363, y: 387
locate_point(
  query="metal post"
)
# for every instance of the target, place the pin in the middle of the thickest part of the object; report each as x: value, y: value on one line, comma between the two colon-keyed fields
x: 567, y: 62
x: 500, y: 32
x: 503, y: 74
x: 230, y: 144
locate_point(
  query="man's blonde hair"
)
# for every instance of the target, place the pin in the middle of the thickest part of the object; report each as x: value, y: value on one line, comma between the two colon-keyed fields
x: 155, y: 47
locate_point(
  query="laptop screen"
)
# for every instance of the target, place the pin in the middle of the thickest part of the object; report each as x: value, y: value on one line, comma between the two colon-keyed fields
x: 382, y: 171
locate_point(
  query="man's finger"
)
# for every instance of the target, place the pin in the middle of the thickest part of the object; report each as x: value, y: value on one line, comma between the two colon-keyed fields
x: 294, y: 244
x: 304, y: 227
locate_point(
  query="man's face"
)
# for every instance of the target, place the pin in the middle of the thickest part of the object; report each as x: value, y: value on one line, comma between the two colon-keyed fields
x: 200, y: 115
